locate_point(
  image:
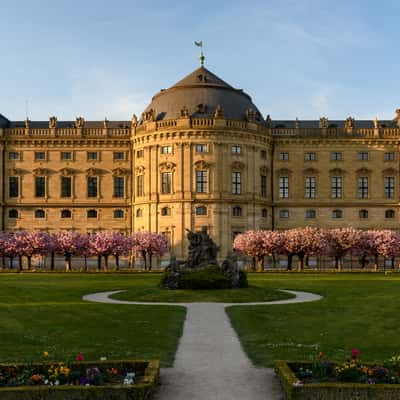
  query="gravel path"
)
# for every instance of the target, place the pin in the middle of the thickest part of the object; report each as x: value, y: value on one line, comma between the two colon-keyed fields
x: 210, y: 363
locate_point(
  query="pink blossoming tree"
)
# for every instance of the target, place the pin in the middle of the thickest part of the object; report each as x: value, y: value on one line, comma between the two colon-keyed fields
x: 149, y: 244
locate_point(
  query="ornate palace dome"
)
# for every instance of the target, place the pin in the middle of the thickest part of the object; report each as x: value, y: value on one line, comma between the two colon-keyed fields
x: 199, y: 95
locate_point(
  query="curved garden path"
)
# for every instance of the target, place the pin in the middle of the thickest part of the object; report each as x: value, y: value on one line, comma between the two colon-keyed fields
x: 210, y: 363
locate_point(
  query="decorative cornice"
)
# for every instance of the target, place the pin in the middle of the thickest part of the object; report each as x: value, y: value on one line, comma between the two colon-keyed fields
x: 310, y: 170
x: 337, y: 171
x: 66, y: 171
x: 40, y: 171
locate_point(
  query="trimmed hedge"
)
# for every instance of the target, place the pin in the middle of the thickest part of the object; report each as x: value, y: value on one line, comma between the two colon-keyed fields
x: 147, y: 370
x: 207, y: 278
x: 331, y: 390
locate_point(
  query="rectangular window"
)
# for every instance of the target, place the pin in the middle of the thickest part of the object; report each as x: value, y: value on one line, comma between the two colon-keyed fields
x: 336, y: 187
x: 363, y: 187
x: 236, y: 183
x: 119, y: 155
x: 40, y: 155
x: 310, y: 187
x: 263, y: 154
x: 139, y: 185
x: 13, y: 155
x: 166, y: 182
x: 284, y: 156
x: 201, y: 181
x: 66, y: 156
x: 283, y: 187
x: 236, y: 149
x: 166, y: 149
x: 389, y: 156
x: 140, y: 154
x: 92, y: 155
x: 389, y: 187
x: 201, y: 148
x: 310, y: 156
x: 92, y: 186
x: 119, y: 186
x: 363, y: 156
x: 40, y: 186
x: 263, y: 186
x: 284, y: 214
x: 336, y: 156
x: 66, y: 186
x: 13, y: 187
x: 311, y: 214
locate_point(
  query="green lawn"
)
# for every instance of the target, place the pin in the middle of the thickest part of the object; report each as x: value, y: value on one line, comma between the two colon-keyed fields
x: 44, y: 312
x: 358, y: 311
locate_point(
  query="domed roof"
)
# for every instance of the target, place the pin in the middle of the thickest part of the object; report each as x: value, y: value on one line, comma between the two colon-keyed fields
x: 201, y: 92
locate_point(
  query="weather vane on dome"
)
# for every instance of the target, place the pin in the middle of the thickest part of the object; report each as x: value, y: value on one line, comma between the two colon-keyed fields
x: 201, y: 57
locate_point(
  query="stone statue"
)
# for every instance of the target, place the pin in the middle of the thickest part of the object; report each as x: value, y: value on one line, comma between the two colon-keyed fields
x: 27, y: 123
x: 52, y: 122
x: 349, y: 123
x: 80, y: 122
x: 397, y: 118
x: 184, y: 112
x: 323, y: 122
x: 105, y: 123
x: 202, y: 250
x: 376, y: 123
x: 134, y: 120
x: 219, y: 112
x: 297, y: 123
x: 230, y: 268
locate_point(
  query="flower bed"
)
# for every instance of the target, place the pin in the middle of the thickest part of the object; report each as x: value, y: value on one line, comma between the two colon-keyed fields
x: 351, y: 379
x: 82, y: 380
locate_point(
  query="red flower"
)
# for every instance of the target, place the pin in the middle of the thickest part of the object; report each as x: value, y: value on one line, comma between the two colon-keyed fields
x: 80, y: 357
x: 355, y: 353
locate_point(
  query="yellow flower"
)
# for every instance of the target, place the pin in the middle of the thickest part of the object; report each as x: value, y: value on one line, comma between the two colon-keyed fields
x: 45, y: 354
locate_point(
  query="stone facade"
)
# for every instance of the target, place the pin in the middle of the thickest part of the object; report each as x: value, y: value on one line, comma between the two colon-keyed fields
x: 199, y: 168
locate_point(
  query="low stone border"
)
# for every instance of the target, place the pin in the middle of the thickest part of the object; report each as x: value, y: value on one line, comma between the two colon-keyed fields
x: 331, y: 390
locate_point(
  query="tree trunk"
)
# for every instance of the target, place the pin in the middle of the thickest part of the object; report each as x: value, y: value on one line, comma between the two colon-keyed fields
x: 117, y: 261
x: 67, y: 262
x: 20, y: 262
x: 300, y: 262
x: 145, y: 260
x: 29, y: 262
x: 260, y: 264
x: 52, y: 263
x: 289, y: 262
x: 375, y: 263
x: 150, y: 261
x: 106, y: 262
x: 85, y: 263
x: 99, y: 263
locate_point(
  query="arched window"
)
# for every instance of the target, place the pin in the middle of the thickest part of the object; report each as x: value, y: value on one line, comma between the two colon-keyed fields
x: 264, y: 213
x: 66, y: 214
x: 165, y: 211
x: 39, y: 214
x: 389, y: 214
x: 139, y: 213
x: 363, y: 214
x: 118, y: 214
x: 337, y: 214
x: 13, y: 214
x: 92, y: 214
x: 201, y: 210
x: 237, y: 211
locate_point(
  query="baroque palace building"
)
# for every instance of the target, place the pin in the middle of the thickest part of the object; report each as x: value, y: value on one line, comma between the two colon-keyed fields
x: 201, y: 155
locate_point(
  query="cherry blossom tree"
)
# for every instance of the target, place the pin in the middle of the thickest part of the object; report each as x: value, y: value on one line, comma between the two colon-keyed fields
x: 342, y: 241
x: 149, y: 244
x: 71, y: 243
x: 302, y: 242
x: 257, y: 244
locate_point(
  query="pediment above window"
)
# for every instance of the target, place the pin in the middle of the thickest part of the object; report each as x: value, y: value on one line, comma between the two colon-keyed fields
x: 337, y: 171
x: 201, y: 164
x: 93, y: 171
x: 167, y: 166
x: 120, y: 171
x: 283, y: 171
x: 40, y: 171
x: 263, y: 170
x: 15, y: 171
x: 66, y: 171
x: 363, y: 171
x: 310, y: 171
x: 390, y: 171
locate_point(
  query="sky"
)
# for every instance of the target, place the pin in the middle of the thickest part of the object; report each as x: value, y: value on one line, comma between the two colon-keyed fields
x: 107, y: 58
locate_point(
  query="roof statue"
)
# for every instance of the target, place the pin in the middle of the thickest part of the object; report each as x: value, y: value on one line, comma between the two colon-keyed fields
x: 201, y: 57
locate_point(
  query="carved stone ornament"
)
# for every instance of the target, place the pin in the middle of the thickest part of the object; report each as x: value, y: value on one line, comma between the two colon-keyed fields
x: 40, y: 171
x: 66, y: 171
x: 323, y: 122
x: 268, y: 121
x: 93, y: 172
x: 105, y: 123
x: 134, y: 120
x: 376, y: 123
x: 139, y: 170
x: 263, y: 170
x: 27, y: 123
x: 167, y: 166
x: 390, y: 171
x: 251, y: 115
x: 397, y: 117
x: 238, y: 165
x: 297, y: 123
x: 53, y: 122
x: 79, y: 122
x: 149, y: 115
x: 120, y: 172
x: 15, y: 171
x: 284, y: 171
x: 184, y: 112
x: 201, y: 164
